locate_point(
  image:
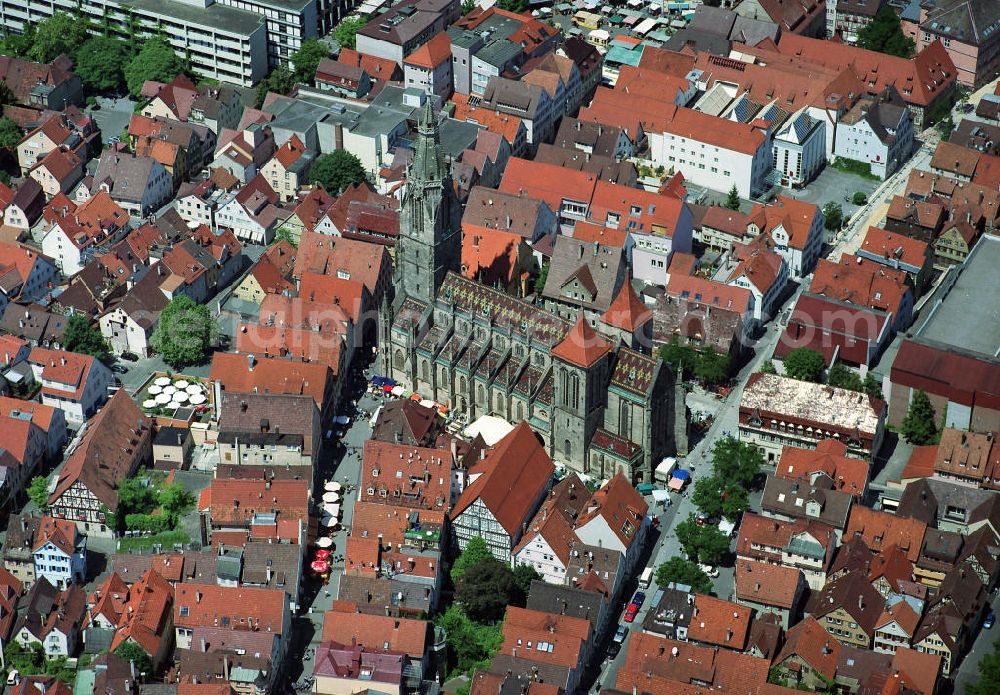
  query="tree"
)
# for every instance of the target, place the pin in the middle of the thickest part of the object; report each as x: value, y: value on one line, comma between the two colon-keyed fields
x: 59, y: 34
x: 523, y: 576
x: 735, y: 501
x: 486, y: 589
x: 989, y: 675
x: 707, y: 495
x: 859, y: 198
x: 130, y: 651
x: 736, y: 462
x: 918, y: 425
x: 682, y: 571
x: 683, y: 358
x: 174, y: 500
x: 518, y: 6
x: 100, y: 62
x: 307, y: 59
x: 543, y: 275
x: 10, y: 134
x: 80, y: 336
x: 872, y: 386
x: 7, y: 95
x: 38, y: 492
x: 475, y: 551
x: 885, y: 35
x: 842, y: 377
x: 156, y: 61
x: 833, y: 217
x: 767, y: 367
x: 346, y: 32
x: 712, y: 367
x: 706, y: 544
x: 469, y: 644
x: 135, y: 497
x: 688, y: 533
x: 733, y: 199
x: 280, y: 81
x: 18, y: 45
x: 184, y: 333
x: 468, y: 6
x: 336, y: 171
x: 805, y: 364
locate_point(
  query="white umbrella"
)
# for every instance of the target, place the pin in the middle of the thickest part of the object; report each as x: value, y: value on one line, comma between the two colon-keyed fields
x: 194, y: 388
x: 149, y: 403
x: 162, y: 399
x: 397, y: 391
x: 324, y: 541
x: 329, y: 521
x: 428, y: 403
x: 162, y: 381
x: 198, y: 399
x: 333, y: 486
x: 169, y: 389
x: 332, y: 509
x: 181, y: 384
x: 154, y: 389
x: 331, y: 497
x: 180, y: 397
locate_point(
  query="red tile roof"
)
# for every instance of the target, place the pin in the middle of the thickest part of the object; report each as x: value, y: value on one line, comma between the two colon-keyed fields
x: 145, y: 617
x: 349, y: 295
x: 767, y: 584
x: 376, y: 631
x: 860, y: 281
x: 234, y: 502
x: 810, y: 642
x: 880, y: 530
x: 848, y: 474
x: 582, y: 346
x: 627, y: 311
x: 60, y: 532
x: 709, y: 293
x: 795, y: 216
x: 719, y: 622
x: 271, y: 375
x: 516, y: 470
x: 432, y: 53
x: 895, y: 246
x: 617, y: 502
x: 290, y: 152
x: 490, y: 255
x: 549, y: 182
x: 657, y: 213
x: 606, y: 236
x: 236, y: 608
x: 502, y: 124
x: 567, y: 635
x: 414, y: 477
x: 329, y: 255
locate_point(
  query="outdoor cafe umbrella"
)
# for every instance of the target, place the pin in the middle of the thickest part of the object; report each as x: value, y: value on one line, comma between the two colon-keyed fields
x: 324, y: 541
x: 333, y: 486
x: 330, y: 521
x: 333, y: 509
x: 322, y: 554
x: 320, y: 566
x: 331, y: 497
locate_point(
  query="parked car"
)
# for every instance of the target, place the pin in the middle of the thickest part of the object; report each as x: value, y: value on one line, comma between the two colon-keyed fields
x: 130, y: 356
x: 701, y: 518
x: 989, y: 620
x: 631, y: 612
x: 712, y: 572
x: 620, y: 634
x: 639, y: 597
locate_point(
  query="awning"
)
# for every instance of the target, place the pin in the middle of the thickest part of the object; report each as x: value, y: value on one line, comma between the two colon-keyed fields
x: 676, y: 484
x: 682, y: 474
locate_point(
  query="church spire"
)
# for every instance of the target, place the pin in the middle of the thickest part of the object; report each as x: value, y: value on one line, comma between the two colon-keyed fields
x: 428, y: 163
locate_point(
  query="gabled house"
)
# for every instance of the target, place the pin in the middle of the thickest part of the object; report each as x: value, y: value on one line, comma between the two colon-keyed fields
x: 805, y: 545
x: 112, y: 446
x: 76, y: 135
x: 25, y: 274
x: 760, y: 269
x: 215, y: 106
x: 549, y: 538
x: 25, y: 207
x: 253, y: 213
x: 78, y: 232
x: 615, y: 518
x: 141, y: 185
x: 78, y: 384
x: 770, y: 589
x: 60, y: 552
x: 201, y: 605
x: 548, y: 638
x: 493, y: 506
x: 128, y: 327
x: 243, y: 152
x: 271, y: 274
x: 146, y: 618
x: 795, y: 227
x: 286, y: 171
x: 58, y: 172
x: 49, y: 419
x: 849, y: 609
x: 52, y: 617
x: 199, y: 202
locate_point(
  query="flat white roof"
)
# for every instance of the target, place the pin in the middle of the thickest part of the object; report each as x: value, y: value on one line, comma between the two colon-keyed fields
x: 828, y: 406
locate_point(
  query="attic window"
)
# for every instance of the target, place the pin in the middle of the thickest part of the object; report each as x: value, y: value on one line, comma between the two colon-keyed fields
x: 184, y: 611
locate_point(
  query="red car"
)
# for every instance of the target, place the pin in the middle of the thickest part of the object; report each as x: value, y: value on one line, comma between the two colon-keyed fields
x: 631, y: 611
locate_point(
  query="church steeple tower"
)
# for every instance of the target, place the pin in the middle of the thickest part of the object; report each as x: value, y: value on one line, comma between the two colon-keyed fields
x: 430, y: 234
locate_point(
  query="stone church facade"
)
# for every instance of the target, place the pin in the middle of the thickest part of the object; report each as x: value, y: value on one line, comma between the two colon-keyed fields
x: 599, y: 406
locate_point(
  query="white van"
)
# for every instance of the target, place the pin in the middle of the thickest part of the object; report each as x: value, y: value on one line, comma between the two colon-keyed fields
x: 646, y: 578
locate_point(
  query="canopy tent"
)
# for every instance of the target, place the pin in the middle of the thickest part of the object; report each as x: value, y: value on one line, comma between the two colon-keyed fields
x: 492, y: 429
x: 682, y: 474
x: 660, y: 495
x: 676, y: 484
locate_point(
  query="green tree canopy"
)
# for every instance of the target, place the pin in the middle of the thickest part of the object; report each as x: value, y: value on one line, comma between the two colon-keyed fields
x: 469, y: 644
x: 767, y: 367
x: 307, y: 59
x: 475, y: 550
x: 60, y: 34
x: 859, y: 198
x: 683, y: 358
x: 842, y: 377
x: 80, y: 336
x: 468, y: 6
x: 518, y: 6
x: 543, y: 275
x: 100, y: 62
x: 682, y: 571
x: 736, y: 462
x: 184, y: 333
x: 346, y: 33
x: 10, y: 133
x: 805, y: 364
x: 885, y: 34
x: 280, y: 81
x: 336, y: 171
x: 130, y: 651
x: 717, y: 496
x: 156, y: 61
x: 733, y: 199
x: 989, y: 674
x: 523, y: 576
x: 833, y: 217
x: 486, y: 589
x: 872, y: 386
x: 38, y: 492
x: 918, y: 426
x: 705, y: 544
x: 712, y: 367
